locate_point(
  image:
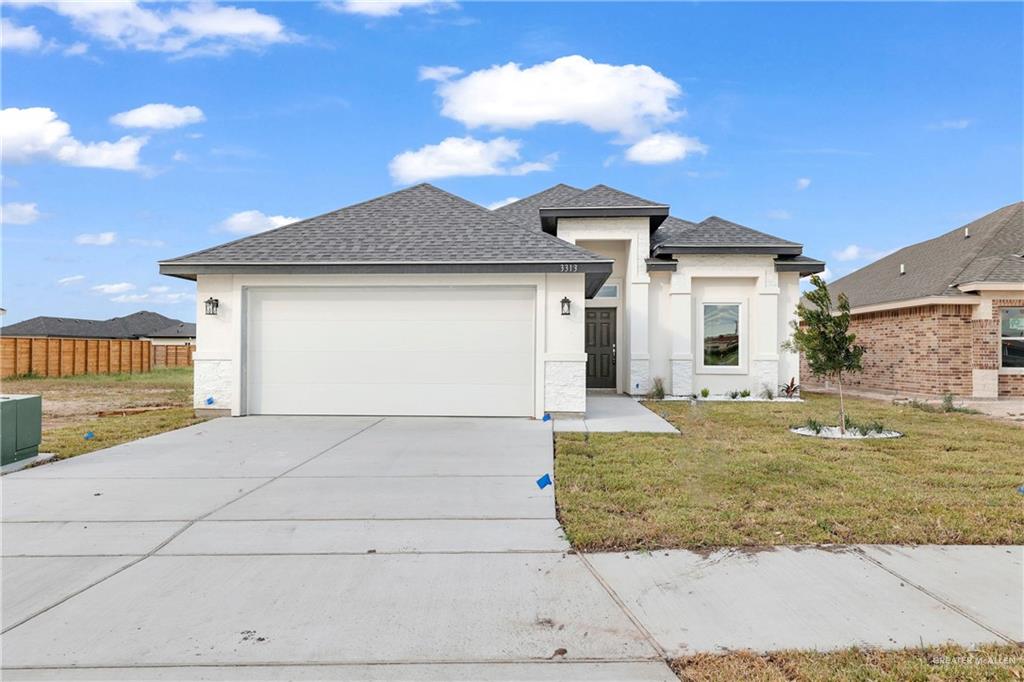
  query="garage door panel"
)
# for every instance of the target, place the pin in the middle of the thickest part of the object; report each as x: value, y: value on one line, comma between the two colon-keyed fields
x: 393, y: 335
x: 323, y: 367
x: 391, y: 350
x: 402, y: 303
x: 418, y: 399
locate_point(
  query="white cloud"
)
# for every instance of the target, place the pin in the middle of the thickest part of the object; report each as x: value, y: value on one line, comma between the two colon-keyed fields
x: 386, y: 8
x: 22, y: 38
x: 803, y: 183
x: 197, y: 28
x: 438, y: 73
x: 37, y: 132
x: 159, y: 290
x: 779, y: 214
x: 950, y: 124
x: 855, y: 252
x: 18, y: 214
x: 251, y: 222
x: 465, y: 156
x: 98, y: 239
x: 179, y: 156
x: 76, y: 49
x: 130, y: 298
x: 631, y: 100
x: 117, y: 288
x: 664, y: 148
x: 162, y: 116
x: 71, y: 279
x: 503, y: 202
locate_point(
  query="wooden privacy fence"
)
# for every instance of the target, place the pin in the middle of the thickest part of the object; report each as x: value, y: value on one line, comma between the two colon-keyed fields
x: 171, y: 356
x: 60, y: 357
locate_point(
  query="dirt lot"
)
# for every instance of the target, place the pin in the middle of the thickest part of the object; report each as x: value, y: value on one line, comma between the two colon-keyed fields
x: 69, y: 400
x: 113, y: 408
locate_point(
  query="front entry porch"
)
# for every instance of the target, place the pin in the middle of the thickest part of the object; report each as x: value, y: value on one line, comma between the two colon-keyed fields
x: 611, y: 413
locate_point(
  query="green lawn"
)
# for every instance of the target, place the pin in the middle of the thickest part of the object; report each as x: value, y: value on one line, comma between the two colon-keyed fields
x: 737, y: 476
x: 71, y: 407
x: 932, y: 664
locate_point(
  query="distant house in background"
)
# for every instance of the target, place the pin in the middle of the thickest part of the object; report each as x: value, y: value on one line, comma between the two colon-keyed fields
x: 64, y: 346
x: 141, y: 325
x: 181, y: 334
x: 945, y: 315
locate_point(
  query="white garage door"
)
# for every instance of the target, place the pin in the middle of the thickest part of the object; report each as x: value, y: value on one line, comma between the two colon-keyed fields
x: 466, y: 351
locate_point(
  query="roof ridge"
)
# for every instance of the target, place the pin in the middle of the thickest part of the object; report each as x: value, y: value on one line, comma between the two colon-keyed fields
x: 751, y: 229
x: 994, y: 233
x: 555, y: 186
x: 304, y: 220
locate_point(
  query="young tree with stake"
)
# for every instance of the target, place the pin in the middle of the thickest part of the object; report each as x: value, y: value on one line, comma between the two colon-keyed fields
x: 822, y: 334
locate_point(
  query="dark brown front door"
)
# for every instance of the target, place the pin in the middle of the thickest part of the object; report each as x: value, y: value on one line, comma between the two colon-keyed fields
x: 600, y: 346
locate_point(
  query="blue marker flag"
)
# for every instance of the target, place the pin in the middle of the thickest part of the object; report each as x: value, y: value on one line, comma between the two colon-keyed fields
x: 546, y: 418
x: 1021, y: 490
x: 89, y: 435
x: 209, y: 400
x: 544, y: 481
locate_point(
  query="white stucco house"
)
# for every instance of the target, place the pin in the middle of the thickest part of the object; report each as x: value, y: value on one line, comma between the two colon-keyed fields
x: 420, y: 302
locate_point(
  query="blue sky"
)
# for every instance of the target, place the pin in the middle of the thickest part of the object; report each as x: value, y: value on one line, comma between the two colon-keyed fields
x: 852, y: 128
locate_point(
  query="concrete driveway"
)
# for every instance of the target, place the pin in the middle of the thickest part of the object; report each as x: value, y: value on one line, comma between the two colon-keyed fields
x: 307, y: 548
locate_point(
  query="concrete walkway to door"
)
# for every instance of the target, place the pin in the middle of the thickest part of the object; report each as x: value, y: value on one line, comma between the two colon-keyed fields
x: 610, y: 413
x: 343, y: 548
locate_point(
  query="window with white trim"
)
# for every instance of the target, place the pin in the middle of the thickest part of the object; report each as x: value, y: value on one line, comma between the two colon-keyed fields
x: 1011, y: 337
x: 721, y: 335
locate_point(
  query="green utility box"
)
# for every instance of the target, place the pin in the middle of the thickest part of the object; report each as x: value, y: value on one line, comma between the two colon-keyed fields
x: 21, y: 427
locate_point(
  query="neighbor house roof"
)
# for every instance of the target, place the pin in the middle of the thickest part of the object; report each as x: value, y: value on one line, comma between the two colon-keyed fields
x: 142, y: 323
x: 182, y: 330
x: 987, y: 250
x: 417, y: 229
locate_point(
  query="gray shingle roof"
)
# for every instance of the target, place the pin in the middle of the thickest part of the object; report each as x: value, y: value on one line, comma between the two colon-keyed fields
x: 142, y: 323
x: 526, y: 210
x: 182, y: 330
x: 936, y: 266
x: 419, y: 224
x: 675, y: 233
x: 603, y: 196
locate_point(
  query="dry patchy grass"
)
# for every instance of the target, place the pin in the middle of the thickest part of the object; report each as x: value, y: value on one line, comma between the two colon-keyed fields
x: 932, y: 664
x: 71, y: 406
x: 737, y: 476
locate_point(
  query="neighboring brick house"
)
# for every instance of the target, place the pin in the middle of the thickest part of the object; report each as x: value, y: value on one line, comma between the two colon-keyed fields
x: 945, y: 315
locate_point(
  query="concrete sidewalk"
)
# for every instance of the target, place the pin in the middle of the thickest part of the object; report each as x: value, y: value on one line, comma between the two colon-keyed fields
x: 613, y: 413
x: 821, y: 598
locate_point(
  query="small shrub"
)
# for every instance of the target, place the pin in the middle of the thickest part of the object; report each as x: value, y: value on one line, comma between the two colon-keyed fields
x: 705, y: 392
x: 744, y: 393
x: 814, y: 425
x: 948, y: 405
x: 790, y: 390
x: 767, y: 393
x: 734, y: 394
x: 657, y: 389
x: 865, y: 428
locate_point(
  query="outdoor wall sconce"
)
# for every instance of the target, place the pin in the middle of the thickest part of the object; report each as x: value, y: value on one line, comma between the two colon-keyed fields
x: 211, y: 306
x: 566, y: 303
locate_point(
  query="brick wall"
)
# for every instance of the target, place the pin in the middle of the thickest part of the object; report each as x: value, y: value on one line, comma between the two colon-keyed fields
x: 927, y: 350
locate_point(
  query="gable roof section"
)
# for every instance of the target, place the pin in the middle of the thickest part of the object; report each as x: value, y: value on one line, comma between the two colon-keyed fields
x: 602, y: 201
x: 417, y: 229
x: 937, y: 266
x: 142, y: 323
x: 603, y: 196
x: 716, y: 235
x: 526, y: 211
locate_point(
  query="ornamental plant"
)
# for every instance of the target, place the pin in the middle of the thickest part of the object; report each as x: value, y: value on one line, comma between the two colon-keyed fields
x: 822, y: 333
